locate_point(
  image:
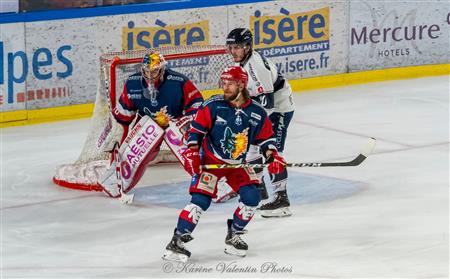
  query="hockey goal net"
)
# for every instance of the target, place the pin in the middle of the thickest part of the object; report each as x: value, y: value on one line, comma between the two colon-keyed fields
x: 201, y: 64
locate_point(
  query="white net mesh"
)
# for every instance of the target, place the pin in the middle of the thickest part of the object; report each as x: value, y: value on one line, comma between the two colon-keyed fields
x: 201, y: 64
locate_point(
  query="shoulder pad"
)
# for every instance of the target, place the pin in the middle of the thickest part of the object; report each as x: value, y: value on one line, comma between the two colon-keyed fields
x: 259, y: 108
x: 264, y: 60
x: 258, y: 104
x: 135, y: 76
x: 214, y: 98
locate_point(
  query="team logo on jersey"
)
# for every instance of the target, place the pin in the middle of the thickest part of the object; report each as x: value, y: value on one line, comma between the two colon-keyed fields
x: 221, y: 121
x: 234, y: 144
x: 162, y: 117
x: 238, y: 120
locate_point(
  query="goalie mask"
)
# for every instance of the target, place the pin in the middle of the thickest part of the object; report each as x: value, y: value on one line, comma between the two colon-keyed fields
x: 153, y: 65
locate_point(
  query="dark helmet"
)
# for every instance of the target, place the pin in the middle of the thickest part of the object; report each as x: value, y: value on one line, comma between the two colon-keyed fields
x: 240, y: 36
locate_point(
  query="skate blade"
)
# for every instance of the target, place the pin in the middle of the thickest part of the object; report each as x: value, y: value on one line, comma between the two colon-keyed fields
x: 175, y: 257
x: 230, y: 250
x: 279, y: 212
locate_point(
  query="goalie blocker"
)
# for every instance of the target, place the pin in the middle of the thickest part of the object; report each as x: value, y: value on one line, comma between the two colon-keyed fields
x: 139, y: 148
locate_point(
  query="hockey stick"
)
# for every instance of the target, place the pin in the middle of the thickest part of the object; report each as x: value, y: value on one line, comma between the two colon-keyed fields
x: 355, y: 162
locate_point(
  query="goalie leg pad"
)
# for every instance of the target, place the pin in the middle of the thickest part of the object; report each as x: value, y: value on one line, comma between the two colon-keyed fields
x: 109, y: 183
x: 224, y: 192
x: 112, y: 134
x: 174, y: 139
x: 138, y: 149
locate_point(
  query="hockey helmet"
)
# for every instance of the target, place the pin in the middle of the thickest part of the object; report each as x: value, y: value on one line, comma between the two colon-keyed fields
x: 235, y: 73
x: 240, y: 36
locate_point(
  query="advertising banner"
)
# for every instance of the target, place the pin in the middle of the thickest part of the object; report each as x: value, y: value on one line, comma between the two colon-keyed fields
x: 15, y: 65
x: 62, y: 56
x: 65, y: 55
x: 57, y: 63
x: 303, y: 40
x: 386, y: 34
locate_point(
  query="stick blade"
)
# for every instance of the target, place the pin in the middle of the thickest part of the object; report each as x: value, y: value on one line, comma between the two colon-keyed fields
x: 370, y: 147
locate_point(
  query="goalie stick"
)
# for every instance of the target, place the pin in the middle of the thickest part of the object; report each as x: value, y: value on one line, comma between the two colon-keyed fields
x: 355, y: 162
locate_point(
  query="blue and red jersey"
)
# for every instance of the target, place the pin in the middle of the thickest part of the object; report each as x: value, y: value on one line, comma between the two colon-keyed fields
x: 226, y: 132
x: 172, y: 97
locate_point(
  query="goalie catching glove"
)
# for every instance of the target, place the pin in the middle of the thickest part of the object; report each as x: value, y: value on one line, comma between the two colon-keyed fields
x: 183, y: 123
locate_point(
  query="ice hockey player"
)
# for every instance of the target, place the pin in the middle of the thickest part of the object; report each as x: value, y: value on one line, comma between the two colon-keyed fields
x: 221, y: 133
x: 160, y: 102
x: 271, y: 89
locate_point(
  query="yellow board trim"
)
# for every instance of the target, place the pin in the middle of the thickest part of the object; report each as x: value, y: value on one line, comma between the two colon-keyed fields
x: 27, y: 117
x: 13, y: 116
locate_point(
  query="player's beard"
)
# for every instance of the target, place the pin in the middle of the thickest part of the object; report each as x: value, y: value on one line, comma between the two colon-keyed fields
x: 237, y: 58
x: 243, y: 57
x: 231, y: 96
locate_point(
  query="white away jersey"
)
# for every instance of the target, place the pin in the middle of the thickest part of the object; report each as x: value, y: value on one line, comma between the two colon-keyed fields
x: 265, y: 79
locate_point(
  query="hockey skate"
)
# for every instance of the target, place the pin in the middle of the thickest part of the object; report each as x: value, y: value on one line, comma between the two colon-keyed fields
x: 175, y: 250
x: 234, y: 245
x: 279, y: 207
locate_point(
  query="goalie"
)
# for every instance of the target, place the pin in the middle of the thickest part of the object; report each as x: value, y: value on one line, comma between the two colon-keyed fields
x: 161, y: 103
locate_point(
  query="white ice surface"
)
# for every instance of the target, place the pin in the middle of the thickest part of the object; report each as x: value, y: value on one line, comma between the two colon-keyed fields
x: 387, y: 218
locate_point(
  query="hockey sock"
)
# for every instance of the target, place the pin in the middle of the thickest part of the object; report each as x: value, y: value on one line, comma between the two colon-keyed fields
x: 258, y: 171
x: 191, y: 213
x: 249, y: 199
x: 279, y: 180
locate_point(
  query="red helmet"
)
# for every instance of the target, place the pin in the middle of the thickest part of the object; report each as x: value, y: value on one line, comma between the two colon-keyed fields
x: 235, y: 73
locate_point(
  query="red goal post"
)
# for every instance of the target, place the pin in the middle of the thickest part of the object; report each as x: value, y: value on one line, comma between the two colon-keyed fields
x: 202, y: 64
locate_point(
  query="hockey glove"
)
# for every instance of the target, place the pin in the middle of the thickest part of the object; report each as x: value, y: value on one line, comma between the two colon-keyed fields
x: 183, y: 122
x: 192, y: 161
x: 276, y: 163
